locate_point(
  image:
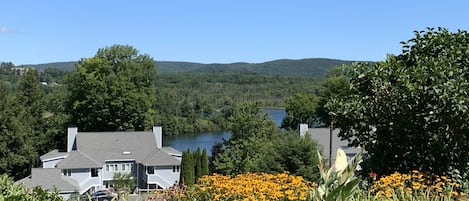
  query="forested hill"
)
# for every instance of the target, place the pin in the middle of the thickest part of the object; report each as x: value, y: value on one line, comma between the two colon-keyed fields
x: 314, y: 67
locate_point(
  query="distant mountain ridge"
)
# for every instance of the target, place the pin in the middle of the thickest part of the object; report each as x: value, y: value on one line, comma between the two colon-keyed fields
x: 311, y: 67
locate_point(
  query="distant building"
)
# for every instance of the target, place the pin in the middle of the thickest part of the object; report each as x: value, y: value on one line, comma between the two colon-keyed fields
x: 322, y: 137
x: 92, y: 159
x: 21, y: 70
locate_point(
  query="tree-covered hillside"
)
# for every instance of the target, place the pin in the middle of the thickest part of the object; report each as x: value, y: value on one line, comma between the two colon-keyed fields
x: 314, y: 67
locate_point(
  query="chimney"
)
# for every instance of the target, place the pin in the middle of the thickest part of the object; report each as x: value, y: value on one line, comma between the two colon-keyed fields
x: 158, y: 132
x: 303, y: 129
x: 71, y: 138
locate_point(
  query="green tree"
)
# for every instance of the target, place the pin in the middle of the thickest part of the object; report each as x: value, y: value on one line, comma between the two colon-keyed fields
x: 298, y: 155
x: 187, y: 166
x: 247, y: 120
x: 204, y: 161
x: 17, y: 153
x: 250, y: 148
x: 124, y: 182
x: 56, y: 119
x: 30, y: 98
x: 301, y: 108
x: 197, y: 156
x: 411, y: 111
x: 114, y: 90
x: 336, y: 84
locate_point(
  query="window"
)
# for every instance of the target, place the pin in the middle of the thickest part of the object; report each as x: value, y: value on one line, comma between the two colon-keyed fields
x: 151, y: 170
x: 111, y: 168
x: 67, y: 172
x: 94, y: 172
x: 176, y: 168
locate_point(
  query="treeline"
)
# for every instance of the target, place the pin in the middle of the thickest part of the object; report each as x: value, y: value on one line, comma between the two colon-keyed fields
x: 32, y: 122
x: 192, y: 102
x: 195, y: 102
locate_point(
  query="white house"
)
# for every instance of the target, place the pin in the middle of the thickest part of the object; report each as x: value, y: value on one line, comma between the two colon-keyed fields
x: 92, y: 159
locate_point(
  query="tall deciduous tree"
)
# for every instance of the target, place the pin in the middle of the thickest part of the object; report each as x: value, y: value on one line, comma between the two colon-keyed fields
x: 261, y: 148
x: 114, y: 90
x: 301, y: 108
x: 250, y: 148
x: 411, y: 111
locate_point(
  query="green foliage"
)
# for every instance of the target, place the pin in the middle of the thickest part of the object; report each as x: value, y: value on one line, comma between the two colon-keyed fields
x: 197, y: 156
x: 124, y: 182
x: 247, y: 120
x: 114, y: 90
x: 410, y: 112
x: 336, y: 84
x: 17, y: 150
x: 18, y: 192
x: 196, y: 102
x: 250, y: 148
x: 297, y: 155
x: 313, y: 67
x: 258, y: 146
x: 8, y: 73
x: 194, y: 166
x: 204, y: 163
x: 30, y: 98
x: 187, y: 166
x: 339, y: 181
x: 301, y: 108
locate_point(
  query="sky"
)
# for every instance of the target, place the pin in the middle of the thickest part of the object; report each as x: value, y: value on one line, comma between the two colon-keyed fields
x: 219, y: 31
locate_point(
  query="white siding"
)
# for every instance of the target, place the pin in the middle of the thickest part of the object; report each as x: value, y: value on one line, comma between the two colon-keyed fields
x: 110, y: 168
x: 164, y: 176
x: 51, y: 163
x: 81, y: 175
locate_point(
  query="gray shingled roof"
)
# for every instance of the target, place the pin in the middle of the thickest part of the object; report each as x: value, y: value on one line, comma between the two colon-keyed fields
x: 159, y: 157
x: 322, y: 136
x: 77, y: 159
x: 53, y: 154
x: 172, y: 151
x: 50, y: 179
x: 108, y: 146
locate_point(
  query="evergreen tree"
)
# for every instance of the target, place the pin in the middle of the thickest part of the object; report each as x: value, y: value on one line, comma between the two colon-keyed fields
x: 204, y: 161
x: 187, y: 166
x: 197, y: 163
x: 30, y: 97
x: 17, y: 151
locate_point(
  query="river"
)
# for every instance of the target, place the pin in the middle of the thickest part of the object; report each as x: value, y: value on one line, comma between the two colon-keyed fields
x: 207, y: 139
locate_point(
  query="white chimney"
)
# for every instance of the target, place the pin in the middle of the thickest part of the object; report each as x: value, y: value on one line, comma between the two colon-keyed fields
x: 71, y: 137
x: 303, y: 129
x: 158, y: 132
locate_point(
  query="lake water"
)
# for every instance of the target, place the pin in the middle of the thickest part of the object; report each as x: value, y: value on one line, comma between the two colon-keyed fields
x: 207, y: 139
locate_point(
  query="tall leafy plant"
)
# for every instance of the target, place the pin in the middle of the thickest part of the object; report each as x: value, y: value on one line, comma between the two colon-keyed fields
x: 339, y: 181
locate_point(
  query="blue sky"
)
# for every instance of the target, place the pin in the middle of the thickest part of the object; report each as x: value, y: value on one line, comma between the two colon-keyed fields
x: 217, y: 31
